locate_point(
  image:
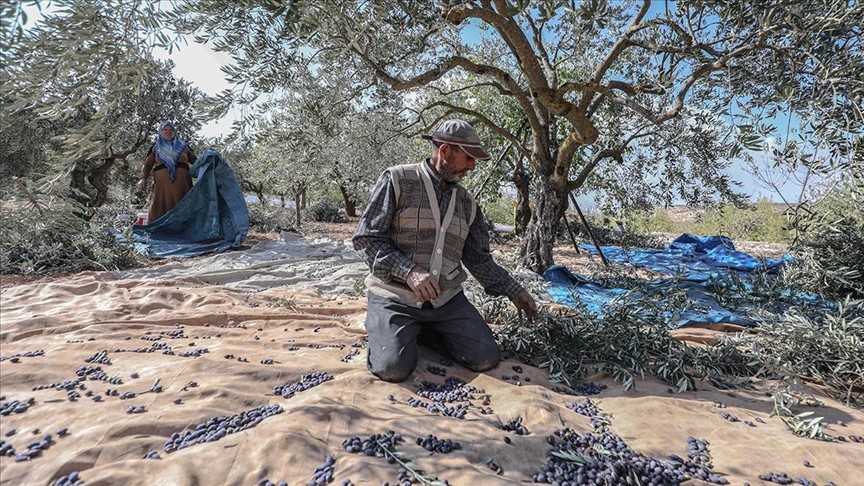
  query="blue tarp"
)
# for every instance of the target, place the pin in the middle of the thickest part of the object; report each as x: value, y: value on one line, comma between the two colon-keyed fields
x: 699, y: 263
x: 702, y: 308
x: 694, y: 258
x: 211, y: 218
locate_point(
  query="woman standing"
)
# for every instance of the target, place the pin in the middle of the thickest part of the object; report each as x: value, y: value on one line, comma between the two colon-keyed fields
x: 172, y: 159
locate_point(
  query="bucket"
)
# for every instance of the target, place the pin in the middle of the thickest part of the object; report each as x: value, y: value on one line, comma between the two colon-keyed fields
x: 142, y: 219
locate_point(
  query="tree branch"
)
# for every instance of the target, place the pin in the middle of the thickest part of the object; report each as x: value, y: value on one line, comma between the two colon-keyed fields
x: 497, y: 86
x: 444, y: 67
x: 613, y: 55
x: 616, y: 153
x: 547, y: 100
x: 502, y: 132
x: 696, y: 75
x: 537, y: 33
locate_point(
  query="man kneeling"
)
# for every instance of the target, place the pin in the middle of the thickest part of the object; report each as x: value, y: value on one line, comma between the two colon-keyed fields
x: 417, y: 231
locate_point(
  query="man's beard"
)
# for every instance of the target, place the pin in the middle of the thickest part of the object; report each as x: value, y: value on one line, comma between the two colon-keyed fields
x: 448, y: 175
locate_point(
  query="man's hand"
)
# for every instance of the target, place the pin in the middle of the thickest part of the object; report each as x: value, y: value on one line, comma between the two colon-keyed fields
x: 424, y: 286
x: 524, y: 302
x: 142, y: 184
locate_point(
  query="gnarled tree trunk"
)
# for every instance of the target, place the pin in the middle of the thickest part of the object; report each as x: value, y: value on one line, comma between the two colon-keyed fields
x: 257, y: 189
x: 550, y: 199
x: 79, y: 186
x: 549, y: 205
x: 99, y: 180
x: 97, y: 177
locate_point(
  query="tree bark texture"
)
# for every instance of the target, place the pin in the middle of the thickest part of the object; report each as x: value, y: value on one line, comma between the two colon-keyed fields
x: 549, y: 205
x: 298, y: 196
x: 79, y: 186
x: 98, y: 179
x: 522, y: 214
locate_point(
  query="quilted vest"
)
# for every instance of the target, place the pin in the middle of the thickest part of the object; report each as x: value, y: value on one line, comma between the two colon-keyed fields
x: 432, y: 237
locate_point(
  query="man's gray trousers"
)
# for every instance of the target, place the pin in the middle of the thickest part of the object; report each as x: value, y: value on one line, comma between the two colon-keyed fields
x: 457, y: 327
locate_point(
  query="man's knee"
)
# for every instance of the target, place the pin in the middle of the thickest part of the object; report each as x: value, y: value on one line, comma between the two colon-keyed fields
x: 482, y: 359
x: 392, y: 370
x: 392, y: 375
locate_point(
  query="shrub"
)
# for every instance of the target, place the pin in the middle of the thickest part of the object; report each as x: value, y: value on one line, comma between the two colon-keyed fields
x: 55, y: 239
x: 829, y: 257
x: 657, y: 220
x: 265, y: 219
x: 830, y: 260
x: 760, y: 222
x: 500, y: 210
x: 763, y: 221
x: 615, y: 237
x: 325, y: 212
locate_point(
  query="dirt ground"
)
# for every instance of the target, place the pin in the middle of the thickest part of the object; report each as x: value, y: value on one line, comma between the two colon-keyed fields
x: 564, y: 254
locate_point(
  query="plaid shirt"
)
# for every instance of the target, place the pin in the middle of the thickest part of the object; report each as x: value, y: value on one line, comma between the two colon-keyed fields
x: 372, y: 240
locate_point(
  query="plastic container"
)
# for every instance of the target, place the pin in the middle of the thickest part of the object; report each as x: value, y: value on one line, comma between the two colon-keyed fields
x: 142, y: 219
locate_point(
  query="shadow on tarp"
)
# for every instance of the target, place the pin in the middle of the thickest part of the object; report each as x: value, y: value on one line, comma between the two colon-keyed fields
x: 211, y: 218
x: 699, y: 262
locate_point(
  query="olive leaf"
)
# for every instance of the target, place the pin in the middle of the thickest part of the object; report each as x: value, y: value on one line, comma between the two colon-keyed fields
x: 572, y: 457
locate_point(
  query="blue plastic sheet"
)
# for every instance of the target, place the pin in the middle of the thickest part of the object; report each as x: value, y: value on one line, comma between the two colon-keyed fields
x: 694, y: 258
x: 699, y: 264
x: 573, y: 290
x: 211, y: 218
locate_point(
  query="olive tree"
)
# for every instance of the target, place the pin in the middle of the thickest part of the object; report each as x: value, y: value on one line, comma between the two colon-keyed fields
x: 323, y: 132
x: 575, y: 69
x: 87, y: 67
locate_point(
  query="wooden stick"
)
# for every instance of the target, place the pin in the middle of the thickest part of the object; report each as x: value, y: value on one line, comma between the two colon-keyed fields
x: 572, y: 235
x: 588, y: 229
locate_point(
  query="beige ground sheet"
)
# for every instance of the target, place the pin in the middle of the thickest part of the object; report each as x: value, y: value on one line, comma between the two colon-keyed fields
x: 301, y: 311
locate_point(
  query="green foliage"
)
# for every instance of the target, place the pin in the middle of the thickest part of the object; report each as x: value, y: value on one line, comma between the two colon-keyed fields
x: 324, y: 211
x: 830, y: 257
x: 759, y: 222
x: 85, y: 69
x: 631, y: 341
x: 500, y: 210
x: 827, y: 347
x: 657, y: 220
x: 25, y: 144
x: 50, y: 239
x: 267, y: 218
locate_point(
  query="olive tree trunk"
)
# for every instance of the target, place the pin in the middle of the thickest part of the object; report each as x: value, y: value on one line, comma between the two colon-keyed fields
x: 550, y: 202
x: 349, y: 201
x: 522, y: 212
x: 297, y: 210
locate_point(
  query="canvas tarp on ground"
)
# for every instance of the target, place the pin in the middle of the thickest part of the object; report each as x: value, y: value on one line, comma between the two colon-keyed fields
x: 211, y: 218
x: 75, y: 317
